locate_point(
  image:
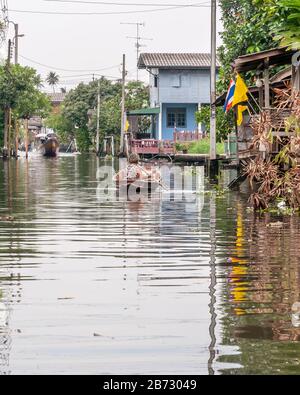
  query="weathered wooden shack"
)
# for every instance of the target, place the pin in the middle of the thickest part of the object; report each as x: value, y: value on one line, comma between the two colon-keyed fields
x: 275, y: 71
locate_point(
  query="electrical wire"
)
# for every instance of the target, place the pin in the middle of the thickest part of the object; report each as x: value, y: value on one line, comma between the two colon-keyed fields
x: 70, y: 70
x: 130, y: 4
x: 87, y: 75
x: 105, y: 13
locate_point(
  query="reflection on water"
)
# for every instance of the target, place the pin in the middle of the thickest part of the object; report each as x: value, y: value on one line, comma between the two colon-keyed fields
x: 158, y: 287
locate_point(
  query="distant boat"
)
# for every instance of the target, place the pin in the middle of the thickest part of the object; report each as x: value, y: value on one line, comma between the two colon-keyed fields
x: 49, y: 144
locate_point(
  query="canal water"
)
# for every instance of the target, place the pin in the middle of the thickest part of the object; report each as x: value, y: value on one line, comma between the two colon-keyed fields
x: 160, y: 287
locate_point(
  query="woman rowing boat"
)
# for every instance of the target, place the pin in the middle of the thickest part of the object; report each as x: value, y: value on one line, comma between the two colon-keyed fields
x: 136, y: 174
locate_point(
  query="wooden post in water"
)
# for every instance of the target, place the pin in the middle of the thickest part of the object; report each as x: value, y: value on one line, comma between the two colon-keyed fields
x: 5, y: 137
x: 17, y: 139
x: 98, y: 119
x: 123, y: 121
x: 113, y: 146
x: 9, y: 135
x: 26, y: 137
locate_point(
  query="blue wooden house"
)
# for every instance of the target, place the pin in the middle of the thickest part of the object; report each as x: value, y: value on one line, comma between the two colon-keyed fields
x: 179, y: 86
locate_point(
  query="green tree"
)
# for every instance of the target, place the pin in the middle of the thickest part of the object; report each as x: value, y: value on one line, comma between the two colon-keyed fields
x: 52, y: 80
x: 249, y: 26
x: 62, y: 126
x: 290, y: 31
x: 81, y: 102
x: 20, y: 91
x: 225, y: 123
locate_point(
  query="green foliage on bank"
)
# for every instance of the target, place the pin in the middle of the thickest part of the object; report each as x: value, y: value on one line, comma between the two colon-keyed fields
x: 225, y: 122
x: 289, y: 34
x: 78, y: 115
x: 20, y: 91
x: 201, y: 147
x: 249, y: 26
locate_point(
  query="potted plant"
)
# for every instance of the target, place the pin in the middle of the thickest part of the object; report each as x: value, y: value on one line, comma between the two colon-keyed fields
x: 185, y: 148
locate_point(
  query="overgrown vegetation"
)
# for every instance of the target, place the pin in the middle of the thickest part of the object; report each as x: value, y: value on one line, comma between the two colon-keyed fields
x: 200, y: 147
x: 225, y: 123
x: 290, y: 32
x: 277, y: 178
x: 249, y: 26
x: 20, y: 91
x: 78, y: 114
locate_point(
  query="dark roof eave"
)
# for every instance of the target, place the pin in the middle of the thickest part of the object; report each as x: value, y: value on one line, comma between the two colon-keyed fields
x: 144, y: 111
x: 276, y: 57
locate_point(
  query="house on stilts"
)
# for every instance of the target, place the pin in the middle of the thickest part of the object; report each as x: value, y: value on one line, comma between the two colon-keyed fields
x: 179, y: 86
x: 275, y: 86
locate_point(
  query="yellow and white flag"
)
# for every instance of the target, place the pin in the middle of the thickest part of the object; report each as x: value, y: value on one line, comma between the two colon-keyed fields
x: 127, y: 126
x: 241, y: 90
x: 240, y: 111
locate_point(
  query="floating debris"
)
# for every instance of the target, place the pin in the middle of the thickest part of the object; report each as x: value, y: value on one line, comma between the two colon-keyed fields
x: 296, y: 315
x: 3, y: 315
x: 98, y: 335
x: 281, y: 205
x: 275, y: 225
x: 7, y: 219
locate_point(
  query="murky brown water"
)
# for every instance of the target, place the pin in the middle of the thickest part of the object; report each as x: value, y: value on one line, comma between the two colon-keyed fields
x: 130, y: 288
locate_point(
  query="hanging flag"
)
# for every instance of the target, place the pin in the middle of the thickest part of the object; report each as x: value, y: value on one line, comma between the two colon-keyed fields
x: 127, y: 126
x: 240, y: 93
x: 229, y: 97
x: 241, y: 110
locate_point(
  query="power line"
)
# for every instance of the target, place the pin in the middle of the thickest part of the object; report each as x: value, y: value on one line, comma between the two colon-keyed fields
x: 108, y: 12
x: 73, y: 78
x: 70, y: 70
x: 130, y: 4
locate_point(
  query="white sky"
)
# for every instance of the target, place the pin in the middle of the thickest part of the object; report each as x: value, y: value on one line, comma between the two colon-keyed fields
x: 96, y: 42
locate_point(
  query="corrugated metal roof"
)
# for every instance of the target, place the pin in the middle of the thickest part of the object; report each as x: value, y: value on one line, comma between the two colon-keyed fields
x: 57, y: 97
x: 175, y: 60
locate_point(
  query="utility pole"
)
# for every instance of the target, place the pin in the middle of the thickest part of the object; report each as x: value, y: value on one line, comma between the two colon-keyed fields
x: 16, y: 43
x: 138, y: 44
x: 213, y: 78
x: 98, y: 118
x: 16, y: 40
x: 123, y: 104
x: 6, y: 149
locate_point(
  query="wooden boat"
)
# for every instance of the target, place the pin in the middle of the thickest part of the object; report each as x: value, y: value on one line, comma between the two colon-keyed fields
x: 49, y: 145
x: 140, y: 186
x: 147, y: 180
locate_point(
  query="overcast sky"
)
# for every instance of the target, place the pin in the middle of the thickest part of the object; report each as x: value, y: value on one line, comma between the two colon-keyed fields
x: 94, y: 42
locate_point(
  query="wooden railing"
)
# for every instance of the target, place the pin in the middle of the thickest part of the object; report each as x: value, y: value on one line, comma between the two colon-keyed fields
x: 276, y: 118
x: 153, y: 147
x: 187, y: 136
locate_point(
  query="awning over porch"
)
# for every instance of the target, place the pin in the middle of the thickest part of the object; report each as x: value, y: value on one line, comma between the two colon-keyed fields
x: 144, y: 112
